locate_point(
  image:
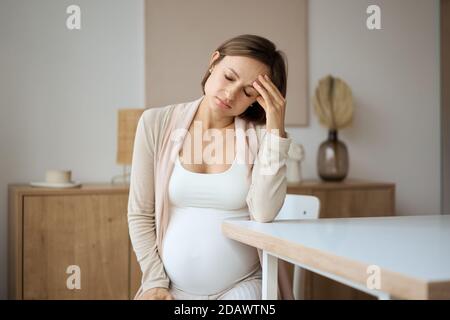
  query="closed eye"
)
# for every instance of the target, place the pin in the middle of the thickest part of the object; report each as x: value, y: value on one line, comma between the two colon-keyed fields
x: 231, y: 79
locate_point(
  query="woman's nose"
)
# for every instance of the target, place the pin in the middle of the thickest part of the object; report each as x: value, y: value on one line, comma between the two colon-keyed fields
x: 230, y: 93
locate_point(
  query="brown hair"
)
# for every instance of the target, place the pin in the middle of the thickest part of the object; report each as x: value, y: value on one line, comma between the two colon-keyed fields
x: 263, y: 50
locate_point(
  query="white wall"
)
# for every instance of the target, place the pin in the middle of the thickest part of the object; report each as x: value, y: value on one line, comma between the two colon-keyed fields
x: 394, y: 75
x: 59, y: 91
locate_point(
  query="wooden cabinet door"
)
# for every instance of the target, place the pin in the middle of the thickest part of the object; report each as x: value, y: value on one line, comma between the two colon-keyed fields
x: 376, y: 202
x: 86, y: 231
x: 135, y: 274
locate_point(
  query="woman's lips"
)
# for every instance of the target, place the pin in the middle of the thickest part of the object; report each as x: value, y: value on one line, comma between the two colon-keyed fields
x: 222, y: 104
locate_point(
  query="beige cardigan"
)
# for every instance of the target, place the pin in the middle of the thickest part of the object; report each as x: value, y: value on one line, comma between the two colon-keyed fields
x: 159, y: 138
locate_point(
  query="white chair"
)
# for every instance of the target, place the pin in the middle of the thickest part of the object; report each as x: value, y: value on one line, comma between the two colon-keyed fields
x: 298, y: 207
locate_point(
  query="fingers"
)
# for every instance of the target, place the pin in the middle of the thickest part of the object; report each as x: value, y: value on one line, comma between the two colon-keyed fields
x: 264, y: 94
x: 260, y: 100
x: 271, y: 88
x: 164, y: 296
x: 156, y: 294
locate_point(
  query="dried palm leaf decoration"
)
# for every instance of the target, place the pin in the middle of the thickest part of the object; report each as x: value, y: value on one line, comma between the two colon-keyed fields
x: 333, y: 103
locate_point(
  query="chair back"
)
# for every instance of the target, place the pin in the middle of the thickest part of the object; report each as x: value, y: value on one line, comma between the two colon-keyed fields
x: 298, y: 207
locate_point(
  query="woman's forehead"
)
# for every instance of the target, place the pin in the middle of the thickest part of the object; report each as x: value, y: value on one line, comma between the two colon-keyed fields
x: 244, y: 65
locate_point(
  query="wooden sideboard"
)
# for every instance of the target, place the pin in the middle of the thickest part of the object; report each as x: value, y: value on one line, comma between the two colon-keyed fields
x: 51, y: 230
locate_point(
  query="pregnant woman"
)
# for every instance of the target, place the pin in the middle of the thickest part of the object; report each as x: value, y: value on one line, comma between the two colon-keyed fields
x: 198, y: 163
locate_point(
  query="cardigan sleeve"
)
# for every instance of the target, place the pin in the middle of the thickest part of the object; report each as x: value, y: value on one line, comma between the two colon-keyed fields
x: 269, y: 184
x: 141, y: 206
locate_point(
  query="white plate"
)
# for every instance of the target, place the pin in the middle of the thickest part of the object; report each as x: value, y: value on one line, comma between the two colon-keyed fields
x: 72, y: 184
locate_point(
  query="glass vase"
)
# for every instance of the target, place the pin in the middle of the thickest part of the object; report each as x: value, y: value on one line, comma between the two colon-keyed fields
x: 332, y: 158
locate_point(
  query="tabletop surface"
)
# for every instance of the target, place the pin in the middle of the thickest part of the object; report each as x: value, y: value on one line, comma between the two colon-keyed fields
x: 416, y: 246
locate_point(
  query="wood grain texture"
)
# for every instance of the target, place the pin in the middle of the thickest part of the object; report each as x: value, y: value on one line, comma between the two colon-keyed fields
x: 54, y: 220
x: 14, y: 245
x: 445, y: 104
x: 84, y: 226
x: 87, y: 231
x: 135, y: 274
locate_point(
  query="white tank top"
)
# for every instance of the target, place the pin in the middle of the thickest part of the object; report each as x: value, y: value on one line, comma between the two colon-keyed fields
x: 197, y: 257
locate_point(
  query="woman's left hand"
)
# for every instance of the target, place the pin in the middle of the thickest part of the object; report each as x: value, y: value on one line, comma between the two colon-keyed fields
x: 273, y: 103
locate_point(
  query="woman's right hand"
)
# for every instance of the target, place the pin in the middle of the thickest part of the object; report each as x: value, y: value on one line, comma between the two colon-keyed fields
x: 156, y: 294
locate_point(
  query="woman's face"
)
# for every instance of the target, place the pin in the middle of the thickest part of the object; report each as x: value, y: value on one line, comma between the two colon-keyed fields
x: 229, y: 89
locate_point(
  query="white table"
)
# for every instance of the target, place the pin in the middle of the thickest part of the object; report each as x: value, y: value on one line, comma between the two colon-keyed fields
x: 405, y: 257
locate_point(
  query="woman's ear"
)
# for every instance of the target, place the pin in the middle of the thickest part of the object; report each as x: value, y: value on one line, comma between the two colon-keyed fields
x: 214, y: 58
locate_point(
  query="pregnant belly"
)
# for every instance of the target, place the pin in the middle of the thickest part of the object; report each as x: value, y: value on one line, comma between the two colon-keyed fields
x: 198, y: 258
